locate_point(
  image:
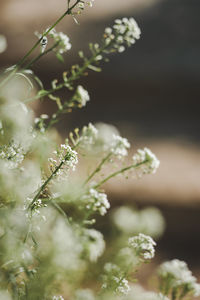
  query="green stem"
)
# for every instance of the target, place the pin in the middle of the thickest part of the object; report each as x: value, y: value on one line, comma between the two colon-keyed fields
x: 98, y: 168
x: 74, y: 77
x: 55, y: 117
x: 121, y: 171
x: 45, y: 184
x: 20, y: 63
x: 39, y: 56
x: 60, y: 210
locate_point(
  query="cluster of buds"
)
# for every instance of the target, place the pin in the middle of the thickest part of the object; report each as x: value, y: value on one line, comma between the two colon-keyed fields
x: 65, y: 159
x: 82, y: 4
x: 62, y: 40
x: 96, y: 202
x: 177, y: 279
x: 123, y: 33
x: 146, y: 160
x: 143, y: 246
x: 113, y: 279
x: 81, y: 96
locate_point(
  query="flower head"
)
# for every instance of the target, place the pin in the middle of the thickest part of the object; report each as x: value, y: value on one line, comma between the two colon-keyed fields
x: 146, y: 160
x: 81, y: 95
x: 123, y: 33
x: 175, y: 275
x: 143, y: 246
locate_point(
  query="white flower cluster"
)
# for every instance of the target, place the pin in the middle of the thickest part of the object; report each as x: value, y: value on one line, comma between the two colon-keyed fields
x: 143, y: 246
x: 131, y: 221
x: 96, y: 201
x: 94, y: 244
x: 88, y: 136
x: 82, y: 3
x: 57, y: 298
x: 113, y: 279
x: 40, y: 122
x: 104, y: 138
x: 66, y: 157
x: 62, y: 39
x: 119, y: 146
x: 176, y: 274
x: 81, y: 96
x: 139, y: 293
x: 13, y: 155
x: 146, y: 160
x: 123, y: 287
x: 124, y: 32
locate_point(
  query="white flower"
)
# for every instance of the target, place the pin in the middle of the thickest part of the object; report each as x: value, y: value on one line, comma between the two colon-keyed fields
x: 146, y: 160
x: 143, y: 246
x: 12, y: 154
x: 104, y: 138
x: 88, y: 136
x: 94, y: 244
x: 82, y: 95
x: 124, y: 32
x: 119, y: 146
x: 66, y: 157
x: 123, y: 287
x: 96, y: 201
x: 179, y: 276
x: 138, y: 293
x: 57, y: 298
x: 3, y: 43
x: 62, y: 40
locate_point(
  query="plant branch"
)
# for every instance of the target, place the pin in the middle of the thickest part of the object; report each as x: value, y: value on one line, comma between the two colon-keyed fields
x: 98, y: 168
x: 20, y: 63
x: 121, y: 171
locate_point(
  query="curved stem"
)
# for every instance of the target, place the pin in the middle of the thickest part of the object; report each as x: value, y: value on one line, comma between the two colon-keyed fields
x: 121, y: 171
x: 40, y: 55
x: 20, y: 63
x: 45, y: 184
x: 98, y: 168
x: 74, y: 77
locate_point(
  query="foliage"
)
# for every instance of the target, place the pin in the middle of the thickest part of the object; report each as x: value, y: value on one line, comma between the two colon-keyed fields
x: 50, y: 244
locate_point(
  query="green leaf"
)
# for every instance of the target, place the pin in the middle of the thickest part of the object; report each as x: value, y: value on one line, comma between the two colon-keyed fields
x: 42, y: 93
x: 60, y: 57
x: 93, y: 68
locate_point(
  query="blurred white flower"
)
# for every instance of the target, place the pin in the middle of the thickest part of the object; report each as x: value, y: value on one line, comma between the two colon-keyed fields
x: 3, y: 43
x: 176, y: 275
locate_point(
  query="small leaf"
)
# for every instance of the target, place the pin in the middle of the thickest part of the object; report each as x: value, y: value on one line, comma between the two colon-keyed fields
x: 60, y: 57
x: 42, y: 93
x: 93, y: 68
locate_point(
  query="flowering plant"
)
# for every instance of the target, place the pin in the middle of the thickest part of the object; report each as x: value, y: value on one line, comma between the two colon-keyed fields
x: 51, y: 247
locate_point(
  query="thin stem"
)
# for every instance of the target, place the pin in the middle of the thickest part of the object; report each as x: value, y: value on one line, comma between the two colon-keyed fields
x: 45, y: 184
x: 55, y: 117
x: 60, y: 210
x: 72, y: 78
x: 98, y: 168
x: 121, y: 171
x: 20, y: 63
x: 39, y: 56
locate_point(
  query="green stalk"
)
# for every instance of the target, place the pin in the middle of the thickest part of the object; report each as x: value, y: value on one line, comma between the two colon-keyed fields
x: 72, y: 78
x: 98, y: 168
x: 39, y: 56
x: 20, y: 63
x: 121, y: 171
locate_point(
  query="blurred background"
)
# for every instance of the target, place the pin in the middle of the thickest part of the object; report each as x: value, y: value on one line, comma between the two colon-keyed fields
x: 150, y: 92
